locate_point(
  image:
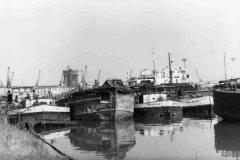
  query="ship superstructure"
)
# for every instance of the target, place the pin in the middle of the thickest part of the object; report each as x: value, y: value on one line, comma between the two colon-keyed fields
x: 156, y: 77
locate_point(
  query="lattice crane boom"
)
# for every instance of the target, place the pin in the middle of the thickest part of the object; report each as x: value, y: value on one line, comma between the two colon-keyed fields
x: 8, y: 85
x: 199, y: 80
x: 11, y: 78
x: 99, y: 76
x: 38, y: 80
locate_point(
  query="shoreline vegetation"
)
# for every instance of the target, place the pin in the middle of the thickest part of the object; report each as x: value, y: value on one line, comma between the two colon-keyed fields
x: 16, y: 144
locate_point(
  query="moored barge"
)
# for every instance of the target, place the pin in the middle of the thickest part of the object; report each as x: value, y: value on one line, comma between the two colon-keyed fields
x: 149, y: 104
x: 35, y: 111
x: 227, y: 100
x: 111, y: 101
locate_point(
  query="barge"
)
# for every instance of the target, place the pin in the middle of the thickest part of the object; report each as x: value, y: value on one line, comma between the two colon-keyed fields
x: 35, y: 111
x: 227, y: 100
x: 149, y: 104
x: 112, y: 101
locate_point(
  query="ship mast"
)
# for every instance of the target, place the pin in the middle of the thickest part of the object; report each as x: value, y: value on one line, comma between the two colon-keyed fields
x: 154, y: 67
x: 170, y: 70
x: 225, y: 67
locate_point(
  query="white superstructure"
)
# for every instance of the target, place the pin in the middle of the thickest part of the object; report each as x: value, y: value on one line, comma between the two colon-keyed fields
x: 179, y: 75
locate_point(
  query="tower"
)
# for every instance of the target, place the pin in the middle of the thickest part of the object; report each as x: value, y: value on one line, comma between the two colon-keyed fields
x: 70, y: 77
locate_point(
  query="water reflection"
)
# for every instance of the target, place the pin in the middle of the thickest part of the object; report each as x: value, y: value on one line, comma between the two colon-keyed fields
x: 109, y: 139
x: 158, y: 126
x: 151, y: 137
x: 227, y: 139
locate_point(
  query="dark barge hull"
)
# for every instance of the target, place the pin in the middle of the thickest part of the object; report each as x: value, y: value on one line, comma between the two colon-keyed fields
x: 227, y: 105
x: 161, y: 111
x: 105, y: 103
x: 203, y: 109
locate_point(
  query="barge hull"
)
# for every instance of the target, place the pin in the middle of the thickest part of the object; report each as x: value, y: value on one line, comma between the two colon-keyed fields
x: 162, y: 111
x: 227, y: 105
x: 37, y: 117
x: 109, y: 115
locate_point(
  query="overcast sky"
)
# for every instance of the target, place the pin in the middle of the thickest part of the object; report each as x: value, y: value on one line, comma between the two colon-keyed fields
x: 116, y: 36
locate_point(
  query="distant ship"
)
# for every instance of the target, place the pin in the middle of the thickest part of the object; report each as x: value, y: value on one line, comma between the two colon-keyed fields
x: 177, y: 77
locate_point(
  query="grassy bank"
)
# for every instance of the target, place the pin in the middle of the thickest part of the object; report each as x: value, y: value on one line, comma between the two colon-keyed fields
x: 18, y: 144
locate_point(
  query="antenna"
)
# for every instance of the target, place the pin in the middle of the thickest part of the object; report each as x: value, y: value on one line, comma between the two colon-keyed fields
x: 225, y: 67
x: 233, y: 69
x: 184, y: 63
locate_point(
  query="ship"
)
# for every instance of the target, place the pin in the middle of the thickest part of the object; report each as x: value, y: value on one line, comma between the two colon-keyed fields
x: 177, y: 77
x: 226, y: 98
x: 147, y: 104
x: 37, y: 110
x: 112, y: 101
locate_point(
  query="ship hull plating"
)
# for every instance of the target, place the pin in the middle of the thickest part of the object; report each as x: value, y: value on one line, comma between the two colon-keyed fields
x: 101, y: 104
x: 227, y: 105
x: 163, y: 108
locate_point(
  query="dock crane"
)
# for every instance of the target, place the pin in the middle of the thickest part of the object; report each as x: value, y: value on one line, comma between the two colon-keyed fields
x: 199, y: 80
x: 11, y: 78
x: 38, y: 80
x: 99, y: 76
x: 85, y: 75
x: 130, y: 76
x: 8, y: 84
x: 97, y: 81
x: 61, y: 81
x: 83, y: 81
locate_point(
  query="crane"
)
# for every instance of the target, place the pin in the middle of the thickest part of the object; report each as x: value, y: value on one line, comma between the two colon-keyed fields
x: 99, y: 76
x: 85, y: 75
x: 1, y: 84
x: 199, y: 80
x: 97, y: 81
x: 8, y: 78
x: 61, y: 81
x: 130, y: 76
x: 11, y: 78
x: 83, y: 81
x: 38, y: 80
x: 66, y: 78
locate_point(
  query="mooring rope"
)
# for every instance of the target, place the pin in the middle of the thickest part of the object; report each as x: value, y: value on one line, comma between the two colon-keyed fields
x: 31, y: 130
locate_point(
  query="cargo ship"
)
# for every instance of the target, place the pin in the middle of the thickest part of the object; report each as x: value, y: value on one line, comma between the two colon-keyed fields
x: 111, y: 101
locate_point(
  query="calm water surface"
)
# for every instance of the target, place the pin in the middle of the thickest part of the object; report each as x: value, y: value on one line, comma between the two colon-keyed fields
x: 149, y: 138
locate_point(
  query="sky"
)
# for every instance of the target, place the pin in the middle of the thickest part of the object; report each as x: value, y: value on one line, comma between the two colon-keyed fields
x: 116, y: 37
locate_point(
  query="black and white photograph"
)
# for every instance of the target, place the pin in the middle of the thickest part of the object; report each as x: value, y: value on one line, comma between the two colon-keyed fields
x: 119, y: 80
